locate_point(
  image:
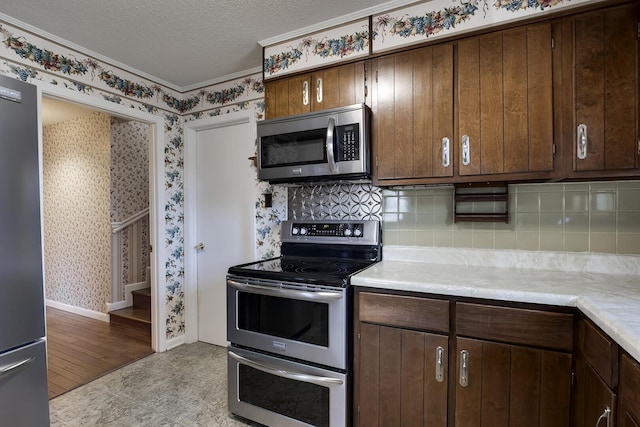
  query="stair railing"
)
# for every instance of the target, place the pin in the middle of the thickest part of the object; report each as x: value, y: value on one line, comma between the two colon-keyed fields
x: 134, y: 252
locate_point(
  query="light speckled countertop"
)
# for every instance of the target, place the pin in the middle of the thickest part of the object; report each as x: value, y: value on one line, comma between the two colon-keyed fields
x: 606, y: 288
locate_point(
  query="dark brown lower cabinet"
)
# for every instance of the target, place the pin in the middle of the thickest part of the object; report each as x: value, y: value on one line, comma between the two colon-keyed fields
x: 401, y: 360
x: 629, y: 395
x: 509, y: 385
x: 403, y: 377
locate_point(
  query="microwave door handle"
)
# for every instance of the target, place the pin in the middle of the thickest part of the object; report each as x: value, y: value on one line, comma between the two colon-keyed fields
x: 321, y: 381
x: 331, y: 129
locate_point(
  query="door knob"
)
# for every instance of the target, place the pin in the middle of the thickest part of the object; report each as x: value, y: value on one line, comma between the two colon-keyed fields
x: 199, y: 246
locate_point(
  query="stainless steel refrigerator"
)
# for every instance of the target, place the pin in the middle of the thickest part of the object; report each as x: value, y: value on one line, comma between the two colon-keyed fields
x: 23, y: 367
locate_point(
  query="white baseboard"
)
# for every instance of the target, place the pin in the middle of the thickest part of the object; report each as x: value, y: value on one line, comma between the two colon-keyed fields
x: 175, y: 342
x: 111, y: 306
x: 78, y: 310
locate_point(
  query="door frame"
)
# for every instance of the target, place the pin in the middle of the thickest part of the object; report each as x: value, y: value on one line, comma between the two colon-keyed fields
x: 156, y: 193
x: 190, y: 258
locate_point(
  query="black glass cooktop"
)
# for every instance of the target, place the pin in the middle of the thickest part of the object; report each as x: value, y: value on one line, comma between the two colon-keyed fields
x: 322, y: 271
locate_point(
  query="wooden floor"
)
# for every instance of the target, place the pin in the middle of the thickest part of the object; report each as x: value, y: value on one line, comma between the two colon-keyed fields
x: 81, y: 349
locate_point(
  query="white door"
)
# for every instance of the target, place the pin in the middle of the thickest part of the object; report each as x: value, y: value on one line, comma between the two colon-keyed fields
x: 225, y: 218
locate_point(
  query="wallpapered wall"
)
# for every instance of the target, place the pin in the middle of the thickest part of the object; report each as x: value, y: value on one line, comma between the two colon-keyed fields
x: 130, y: 188
x: 31, y: 56
x: 76, y: 187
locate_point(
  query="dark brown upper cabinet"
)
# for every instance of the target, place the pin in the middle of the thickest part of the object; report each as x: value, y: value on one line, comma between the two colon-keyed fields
x: 505, y: 104
x: 600, y: 68
x: 412, y: 102
x: 333, y: 87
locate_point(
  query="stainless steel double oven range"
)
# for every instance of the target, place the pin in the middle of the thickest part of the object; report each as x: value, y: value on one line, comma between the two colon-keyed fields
x: 289, y: 322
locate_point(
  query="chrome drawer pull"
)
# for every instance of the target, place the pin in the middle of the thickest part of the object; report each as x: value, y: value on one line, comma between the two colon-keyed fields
x: 606, y: 415
x: 466, y: 154
x: 319, y: 91
x: 464, y: 368
x: 445, y: 152
x: 440, y: 364
x: 305, y: 93
x: 582, y: 142
x: 6, y: 370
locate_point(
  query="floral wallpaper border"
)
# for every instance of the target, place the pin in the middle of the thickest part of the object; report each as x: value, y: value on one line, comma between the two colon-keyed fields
x: 344, y: 42
x: 398, y: 28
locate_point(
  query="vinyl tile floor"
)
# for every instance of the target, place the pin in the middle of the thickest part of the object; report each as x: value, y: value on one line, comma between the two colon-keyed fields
x: 182, y: 387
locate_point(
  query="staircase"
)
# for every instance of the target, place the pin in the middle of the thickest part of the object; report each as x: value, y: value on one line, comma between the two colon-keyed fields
x: 138, y: 315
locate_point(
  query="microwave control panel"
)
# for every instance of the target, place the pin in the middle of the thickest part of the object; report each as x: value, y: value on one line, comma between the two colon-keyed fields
x: 348, y: 143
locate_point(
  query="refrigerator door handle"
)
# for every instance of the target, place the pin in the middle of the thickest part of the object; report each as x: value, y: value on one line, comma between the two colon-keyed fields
x: 6, y: 370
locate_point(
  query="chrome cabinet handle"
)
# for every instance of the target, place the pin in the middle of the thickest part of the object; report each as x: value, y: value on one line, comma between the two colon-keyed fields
x: 321, y: 296
x: 319, y: 90
x: 305, y: 93
x: 445, y: 152
x: 582, y: 142
x: 6, y: 370
x: 329, y: 144
x: 464, y: 368
x: 466, y: 154
x: 606, y: 415
x: 321, y: 381
x: 440, y: 364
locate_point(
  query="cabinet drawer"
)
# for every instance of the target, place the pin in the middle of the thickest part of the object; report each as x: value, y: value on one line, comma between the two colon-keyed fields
x: 515, y: 325
x: 600, y: 351
x: 404, y: 311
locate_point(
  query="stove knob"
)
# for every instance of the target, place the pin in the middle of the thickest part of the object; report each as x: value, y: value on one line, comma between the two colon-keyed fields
x: 295, y: 231
x: 347, y: 232
x: 357, y: 232
x: 303, y: 231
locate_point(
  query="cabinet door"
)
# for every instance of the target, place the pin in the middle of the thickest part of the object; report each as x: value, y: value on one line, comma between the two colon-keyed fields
x: 505, y: 103
x: 402, y: 378
x: 338, y: 86
x: 413, y: 114
x: 605, y: 79
x: 629, y: 389
x: 507, y: 385
x: 288, y: 96
x: 592, y: 397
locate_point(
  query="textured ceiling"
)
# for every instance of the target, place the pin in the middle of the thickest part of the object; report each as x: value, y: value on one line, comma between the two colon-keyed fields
x: 181, y: 42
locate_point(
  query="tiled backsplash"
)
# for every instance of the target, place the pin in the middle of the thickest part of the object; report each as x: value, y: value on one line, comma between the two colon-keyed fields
x: 599, y: 217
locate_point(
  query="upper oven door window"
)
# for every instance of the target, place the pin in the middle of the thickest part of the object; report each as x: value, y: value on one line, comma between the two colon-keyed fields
x: 297, y: 148
x: 292, y: 319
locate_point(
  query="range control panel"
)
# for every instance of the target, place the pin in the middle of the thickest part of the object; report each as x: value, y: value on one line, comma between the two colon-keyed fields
x: 343, y: 229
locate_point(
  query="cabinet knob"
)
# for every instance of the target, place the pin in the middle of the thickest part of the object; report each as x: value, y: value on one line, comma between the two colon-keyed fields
x: 199, y: 247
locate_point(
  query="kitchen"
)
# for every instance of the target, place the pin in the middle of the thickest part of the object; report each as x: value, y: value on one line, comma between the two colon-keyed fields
x: 415, y: 216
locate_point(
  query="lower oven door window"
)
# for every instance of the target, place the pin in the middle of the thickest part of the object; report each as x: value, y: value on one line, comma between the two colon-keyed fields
x: 279, y: 392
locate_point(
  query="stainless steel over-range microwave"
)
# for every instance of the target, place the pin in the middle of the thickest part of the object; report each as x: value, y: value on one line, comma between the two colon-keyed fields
x: 325, y: 145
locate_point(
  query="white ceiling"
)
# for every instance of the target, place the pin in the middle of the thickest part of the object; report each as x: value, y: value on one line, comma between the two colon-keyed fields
x: 183, y: 43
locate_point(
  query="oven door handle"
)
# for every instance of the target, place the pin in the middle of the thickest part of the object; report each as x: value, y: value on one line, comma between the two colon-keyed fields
x: 321, y: 381
x: 304, y: 295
